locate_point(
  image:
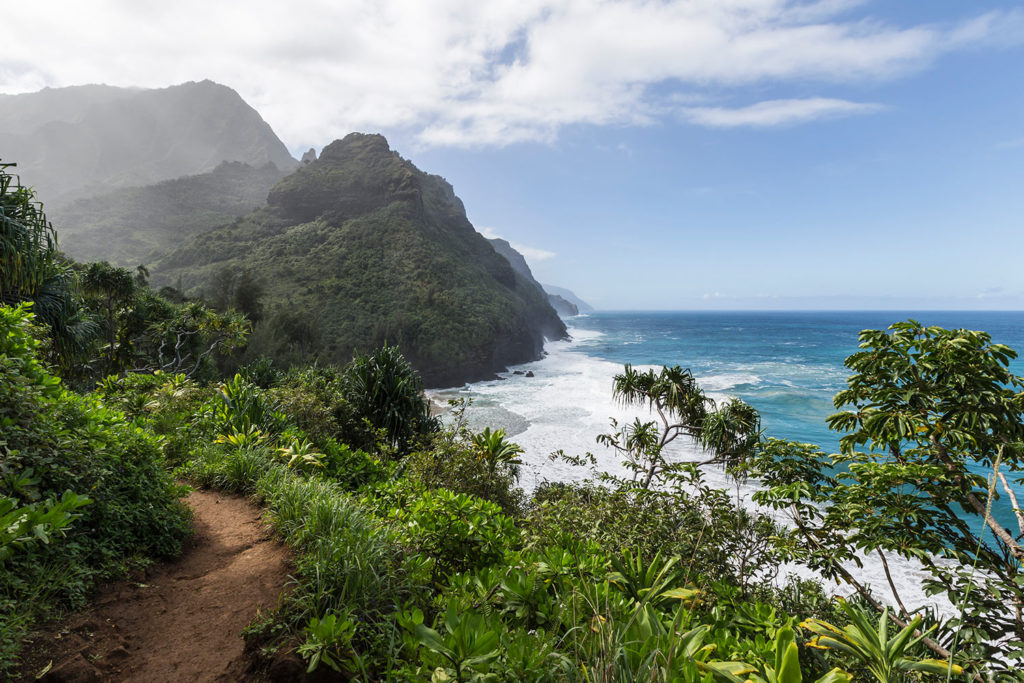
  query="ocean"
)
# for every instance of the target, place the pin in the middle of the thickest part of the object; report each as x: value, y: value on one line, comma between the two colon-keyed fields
x: 788, y: 365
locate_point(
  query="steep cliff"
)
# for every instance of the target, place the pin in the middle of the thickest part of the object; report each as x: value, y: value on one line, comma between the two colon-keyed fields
x: 562, y: 305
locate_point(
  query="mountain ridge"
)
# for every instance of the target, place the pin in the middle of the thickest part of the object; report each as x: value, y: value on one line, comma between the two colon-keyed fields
x: 369, y: 249
x: 134, y: 225
x: 87, y: 140
x: 569, y: 296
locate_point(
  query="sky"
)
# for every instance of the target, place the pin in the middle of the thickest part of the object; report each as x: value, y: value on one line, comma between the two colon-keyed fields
x: 722, y: 154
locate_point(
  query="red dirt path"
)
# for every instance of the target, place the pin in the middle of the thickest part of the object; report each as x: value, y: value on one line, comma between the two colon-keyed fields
x: 182, y: 621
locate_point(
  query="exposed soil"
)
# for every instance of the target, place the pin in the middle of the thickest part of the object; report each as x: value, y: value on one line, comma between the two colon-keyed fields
x: 182, y: 620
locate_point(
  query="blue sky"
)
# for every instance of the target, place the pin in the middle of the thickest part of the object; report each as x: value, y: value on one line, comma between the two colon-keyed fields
x: 919, y: 204
x: 664, y: 155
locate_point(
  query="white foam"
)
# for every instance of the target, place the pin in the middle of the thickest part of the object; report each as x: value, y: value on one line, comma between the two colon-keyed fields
x: 727, y: 380
x: 568, y: 402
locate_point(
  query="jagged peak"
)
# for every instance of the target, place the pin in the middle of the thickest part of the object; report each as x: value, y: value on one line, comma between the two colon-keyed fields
x: 356, y: 143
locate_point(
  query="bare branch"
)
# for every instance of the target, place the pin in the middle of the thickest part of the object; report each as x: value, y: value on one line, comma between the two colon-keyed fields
x: 892, y: 586
x: 1013, y: 501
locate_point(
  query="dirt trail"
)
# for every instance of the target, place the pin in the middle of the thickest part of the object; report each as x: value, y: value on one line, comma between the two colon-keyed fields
x: 182, y: 621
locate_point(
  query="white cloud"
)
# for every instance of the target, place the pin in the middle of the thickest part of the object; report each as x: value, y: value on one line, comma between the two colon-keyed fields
x: 775, y: 112
x: 532, y: 254
x: 465, y: 72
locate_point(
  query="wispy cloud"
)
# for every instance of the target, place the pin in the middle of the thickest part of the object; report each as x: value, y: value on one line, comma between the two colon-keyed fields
x: 464, y: 72
x: 530, y: 253
x: 1010, y: 144
x: 776, y: 112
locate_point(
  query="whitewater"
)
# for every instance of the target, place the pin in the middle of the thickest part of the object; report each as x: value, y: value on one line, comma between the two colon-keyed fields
x: 782, y: 365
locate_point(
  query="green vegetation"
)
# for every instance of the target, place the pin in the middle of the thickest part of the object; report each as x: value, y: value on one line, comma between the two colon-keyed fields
x: 386, y: 394
x: 32, y: 270
x: 360, y: 249
x: 84, y: 492
x: 933, y: 407
x: 418, y: 558
x: 401, y: 576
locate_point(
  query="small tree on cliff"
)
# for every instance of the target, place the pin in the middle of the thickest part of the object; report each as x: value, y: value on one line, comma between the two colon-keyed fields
x: 728, y: 433
x: 384, y: 391
x: 31, y: 269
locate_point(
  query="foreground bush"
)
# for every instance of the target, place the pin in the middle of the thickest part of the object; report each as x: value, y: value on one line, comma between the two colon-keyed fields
x: 58, y: 447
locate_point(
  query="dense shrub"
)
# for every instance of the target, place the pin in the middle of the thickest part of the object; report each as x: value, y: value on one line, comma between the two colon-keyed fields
x: 717, y: 540
x: 375, y: 402
x: 386, y: 392
x: 54, y: 442
x: 454, y: 532
x: 453, y: 458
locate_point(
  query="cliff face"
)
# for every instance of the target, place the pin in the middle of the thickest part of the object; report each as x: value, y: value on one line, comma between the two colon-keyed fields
x: 514, y: 258
x: 563, y: 307
x: 87, y: 140
x: 373, y: 250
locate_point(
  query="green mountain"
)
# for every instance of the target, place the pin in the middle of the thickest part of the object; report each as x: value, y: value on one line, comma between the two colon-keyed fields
x: 86, y: 140
x: 359, y: 248
x: 133, y: 225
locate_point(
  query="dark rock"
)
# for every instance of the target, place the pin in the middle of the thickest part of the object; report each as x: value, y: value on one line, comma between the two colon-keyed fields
x: 74, y: 670
x: 285, y: 667
x: 518, y: 372
x: 309, y: 157
x: 529, y: 373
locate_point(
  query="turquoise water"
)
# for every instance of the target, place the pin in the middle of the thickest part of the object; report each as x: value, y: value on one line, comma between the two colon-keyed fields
x: 788, y: 365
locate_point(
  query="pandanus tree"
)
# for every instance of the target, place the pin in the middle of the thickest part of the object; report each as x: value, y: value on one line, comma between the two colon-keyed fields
x: 31, y: 270
x: 28, y: 242
x: 727, y: 433
x: 497, y: 452
x: 385, y: 391
x: 112, y: 290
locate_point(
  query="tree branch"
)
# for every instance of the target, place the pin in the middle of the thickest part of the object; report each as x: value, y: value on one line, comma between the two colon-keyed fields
x: 1013, y: 501
x: 892, y: 586
x: 866, y: 594
x: 1011, y: 544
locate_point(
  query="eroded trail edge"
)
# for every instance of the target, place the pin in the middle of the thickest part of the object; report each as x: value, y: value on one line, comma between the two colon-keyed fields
x: 182, y: 621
